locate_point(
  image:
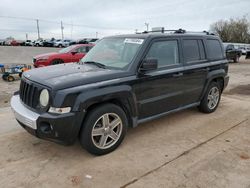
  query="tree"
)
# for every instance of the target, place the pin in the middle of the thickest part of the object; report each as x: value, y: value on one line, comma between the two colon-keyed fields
x: 232, y: 30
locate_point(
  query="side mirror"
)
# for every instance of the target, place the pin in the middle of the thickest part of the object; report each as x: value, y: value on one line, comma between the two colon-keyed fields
x: 149, y: 64
x: 74, y: 52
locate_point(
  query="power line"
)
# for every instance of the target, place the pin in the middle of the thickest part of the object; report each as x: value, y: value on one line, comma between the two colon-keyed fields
x: 78, y: 25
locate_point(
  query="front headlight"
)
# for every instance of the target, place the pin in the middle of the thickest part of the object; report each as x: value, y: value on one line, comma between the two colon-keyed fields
x: 44, y: 98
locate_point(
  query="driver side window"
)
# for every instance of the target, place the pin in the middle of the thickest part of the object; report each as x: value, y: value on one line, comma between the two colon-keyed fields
x: 166, y: 52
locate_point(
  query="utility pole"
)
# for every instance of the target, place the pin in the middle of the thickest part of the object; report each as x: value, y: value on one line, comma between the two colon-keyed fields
x: 38, y: 30
x: 136, y: 30
x: 71, y: 31
x: 96, y: 34
x: 26, y: 36
x: 62, y: 30
x: 147, y: 24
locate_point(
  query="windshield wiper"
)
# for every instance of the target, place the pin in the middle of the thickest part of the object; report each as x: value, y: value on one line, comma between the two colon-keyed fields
x: 96, y: 63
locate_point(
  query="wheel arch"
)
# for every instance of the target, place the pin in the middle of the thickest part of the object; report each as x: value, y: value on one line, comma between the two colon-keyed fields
x: 214, y: 76
x: 118, y: 95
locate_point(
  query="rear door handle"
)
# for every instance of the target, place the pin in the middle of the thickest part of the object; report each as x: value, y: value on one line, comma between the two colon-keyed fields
x: 179, y: 74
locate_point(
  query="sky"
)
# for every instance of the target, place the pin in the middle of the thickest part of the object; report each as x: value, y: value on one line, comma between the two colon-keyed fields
x: 83, y: 18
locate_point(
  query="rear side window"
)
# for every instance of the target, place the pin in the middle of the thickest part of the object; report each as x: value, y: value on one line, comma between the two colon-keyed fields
x: 214, y: 49
x: 193, y: 50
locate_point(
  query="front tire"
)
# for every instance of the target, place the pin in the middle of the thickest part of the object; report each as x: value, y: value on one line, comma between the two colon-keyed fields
x: 211, y: 99
x: 103, y: 129
x: 10, y: 78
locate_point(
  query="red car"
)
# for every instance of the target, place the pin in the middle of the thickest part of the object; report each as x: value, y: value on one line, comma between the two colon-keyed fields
x: 14, y: 43
x: 70, y: 54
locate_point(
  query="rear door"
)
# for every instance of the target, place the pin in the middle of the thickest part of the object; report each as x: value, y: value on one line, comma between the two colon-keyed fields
x: 196, y: 68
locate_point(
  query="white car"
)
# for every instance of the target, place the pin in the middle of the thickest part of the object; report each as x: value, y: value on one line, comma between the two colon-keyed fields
x: 62, y: 43
x: 38, y: 42
x: 244, y: 50
x: 28, y: 43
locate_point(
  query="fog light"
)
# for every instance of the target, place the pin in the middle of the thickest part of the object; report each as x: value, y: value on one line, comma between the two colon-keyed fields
x: 59, y: 110
x: 46, y: 128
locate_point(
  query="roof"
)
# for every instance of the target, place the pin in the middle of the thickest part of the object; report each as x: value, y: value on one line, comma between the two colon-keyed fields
x: 159, y: 34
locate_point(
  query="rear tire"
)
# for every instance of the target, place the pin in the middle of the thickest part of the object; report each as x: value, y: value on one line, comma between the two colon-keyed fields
x: 236, y: 59
x: 4, y: 77
x: 103, y: 129
x: 211, y: 99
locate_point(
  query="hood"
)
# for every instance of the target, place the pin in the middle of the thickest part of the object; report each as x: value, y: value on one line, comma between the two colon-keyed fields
x: 45, y: 55
x: 70, y: 75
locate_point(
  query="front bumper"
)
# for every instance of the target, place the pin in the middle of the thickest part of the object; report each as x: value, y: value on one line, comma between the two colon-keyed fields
x: 61, y: 128
x: 23, y: 114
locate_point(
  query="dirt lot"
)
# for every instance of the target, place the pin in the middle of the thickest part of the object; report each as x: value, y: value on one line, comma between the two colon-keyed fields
x: 185, y: 149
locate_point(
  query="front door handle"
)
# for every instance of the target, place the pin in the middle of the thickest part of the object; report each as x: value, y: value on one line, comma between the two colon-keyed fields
x: 179, y: 74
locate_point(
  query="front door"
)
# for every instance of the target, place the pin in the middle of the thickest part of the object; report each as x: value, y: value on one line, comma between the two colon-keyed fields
x: 161, y: 90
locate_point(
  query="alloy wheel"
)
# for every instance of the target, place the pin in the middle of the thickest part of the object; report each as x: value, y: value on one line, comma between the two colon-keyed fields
x: 107, y: 130
x: 213, y: 97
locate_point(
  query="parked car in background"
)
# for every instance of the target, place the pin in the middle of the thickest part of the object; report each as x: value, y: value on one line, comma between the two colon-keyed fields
x: 232, y: 53
x: 8, y: 40
x: 84, y: 41
x: 244, y: 50
x: 28, y: 43
x: 93, y: 40
x: 2, y: 42
x: 49, y: 42
x: 70, y: 54
x: 62, y: 43
x: 15, y: 43
x: 38, y: 42
x: 248, y: 55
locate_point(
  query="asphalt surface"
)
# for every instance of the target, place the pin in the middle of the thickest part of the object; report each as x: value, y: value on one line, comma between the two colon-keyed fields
x: 21, y: 54
x: 184, y: 149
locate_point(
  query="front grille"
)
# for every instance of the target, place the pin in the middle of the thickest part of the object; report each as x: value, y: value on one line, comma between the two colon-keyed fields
x: 29, y: 94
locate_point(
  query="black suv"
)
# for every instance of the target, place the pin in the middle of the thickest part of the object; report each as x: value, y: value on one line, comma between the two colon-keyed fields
x: 123, y: 81
x: 232, y: 53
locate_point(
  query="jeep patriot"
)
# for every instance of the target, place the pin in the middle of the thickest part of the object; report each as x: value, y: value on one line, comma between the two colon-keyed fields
x: 123, y: 81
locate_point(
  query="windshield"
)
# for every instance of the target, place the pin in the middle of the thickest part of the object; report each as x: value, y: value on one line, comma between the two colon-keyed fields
x: 66, y: 50
x: 114, y: 52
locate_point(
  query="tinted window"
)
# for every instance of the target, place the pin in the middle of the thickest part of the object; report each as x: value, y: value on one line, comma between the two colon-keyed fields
x: 166, y: 52
x: 191, y: 50
x: 214, y: 49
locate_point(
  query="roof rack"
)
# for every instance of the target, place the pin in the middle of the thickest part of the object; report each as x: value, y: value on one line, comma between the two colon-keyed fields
x: 178, y: 31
